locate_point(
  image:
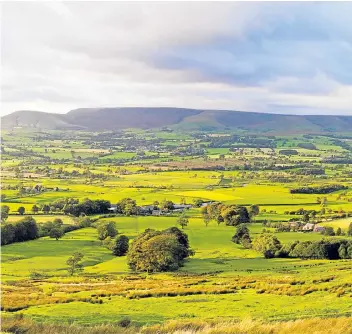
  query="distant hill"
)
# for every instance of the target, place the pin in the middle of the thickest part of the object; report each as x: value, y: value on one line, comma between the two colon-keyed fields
x: 38, y: 120
x: 105, y: 119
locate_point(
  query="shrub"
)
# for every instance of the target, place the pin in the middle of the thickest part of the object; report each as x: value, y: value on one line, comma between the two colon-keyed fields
x: 125, y: 322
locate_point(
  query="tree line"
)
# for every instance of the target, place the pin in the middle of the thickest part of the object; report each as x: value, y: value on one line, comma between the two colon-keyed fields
x: 325, y: 189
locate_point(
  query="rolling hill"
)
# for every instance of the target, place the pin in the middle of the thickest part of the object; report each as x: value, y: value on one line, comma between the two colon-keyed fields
x: 108, y: 119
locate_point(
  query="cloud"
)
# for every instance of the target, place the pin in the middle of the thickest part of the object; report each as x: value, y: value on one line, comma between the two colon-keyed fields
x: 269, y: 57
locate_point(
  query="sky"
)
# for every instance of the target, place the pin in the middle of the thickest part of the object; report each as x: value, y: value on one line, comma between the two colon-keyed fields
x: 277, y: 57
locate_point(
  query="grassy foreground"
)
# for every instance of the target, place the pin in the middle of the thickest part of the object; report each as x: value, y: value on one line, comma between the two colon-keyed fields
x: 317, y: 325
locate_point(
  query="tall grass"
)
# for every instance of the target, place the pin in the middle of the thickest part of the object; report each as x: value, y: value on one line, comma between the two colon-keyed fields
x: 343, y: 325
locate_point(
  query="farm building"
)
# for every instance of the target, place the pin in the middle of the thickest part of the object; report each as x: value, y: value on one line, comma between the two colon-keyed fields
x: 318, y: 229
x: 113, y: 208
x: 308, y: 227
x: 294, y: 224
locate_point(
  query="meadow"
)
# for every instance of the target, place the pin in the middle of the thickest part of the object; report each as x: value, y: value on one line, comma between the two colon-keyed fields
x: 223, y: 282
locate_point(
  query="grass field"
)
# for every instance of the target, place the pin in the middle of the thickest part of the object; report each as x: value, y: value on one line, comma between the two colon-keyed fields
x: 223, y: 282
x: 227, y: 277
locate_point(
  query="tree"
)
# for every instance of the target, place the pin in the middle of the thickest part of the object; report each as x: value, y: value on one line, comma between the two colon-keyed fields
x: 46, y: 209
x: 21, y: 210
x: 242, y: 235
x: 56, y: 233
x: 197, y: 203
x: 306, y: 217
x: 57, y: 222
x: 349, y: 230
x: 74, y: 263
x: 155, y: 251
x: 35, y: 209
x: 121, y: 246
x: 106, y: 229
x: 338, y: 231
x: 4, y: 212
x: 254, y: 210
x: 127, y: 206
x: 267, y: 244
x: 182, y: 220
x: 329, y: 231
x: 166, y: 205
x: 235, y: 215
x: 85, y: 222
x: 7, y: 234
x: 206, y: 219
x: 345, y: 250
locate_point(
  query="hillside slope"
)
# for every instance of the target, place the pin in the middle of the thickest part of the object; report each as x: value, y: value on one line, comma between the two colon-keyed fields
x: 37, y: 120
x: 107, y: 119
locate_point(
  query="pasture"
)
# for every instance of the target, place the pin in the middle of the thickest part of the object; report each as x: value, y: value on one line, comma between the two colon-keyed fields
x: 223, y: 281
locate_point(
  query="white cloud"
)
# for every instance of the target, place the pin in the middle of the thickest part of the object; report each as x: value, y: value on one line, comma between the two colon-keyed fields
x: 58, y: 56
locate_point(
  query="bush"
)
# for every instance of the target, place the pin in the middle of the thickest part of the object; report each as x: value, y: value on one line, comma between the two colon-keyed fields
x: 125, y: 322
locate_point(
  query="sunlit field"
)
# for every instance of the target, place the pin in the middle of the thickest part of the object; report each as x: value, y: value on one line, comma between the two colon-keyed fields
x: 222, y: 281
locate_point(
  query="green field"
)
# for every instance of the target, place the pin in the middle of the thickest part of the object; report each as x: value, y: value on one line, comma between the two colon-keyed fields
x: 223, y: 281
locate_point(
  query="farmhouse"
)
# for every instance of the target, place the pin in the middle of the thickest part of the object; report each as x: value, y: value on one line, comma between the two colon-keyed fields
x: 113, y: 208
x: 205, y: 204
x: 308, y: 227
x: 146, y: 210
x: 319, y: 229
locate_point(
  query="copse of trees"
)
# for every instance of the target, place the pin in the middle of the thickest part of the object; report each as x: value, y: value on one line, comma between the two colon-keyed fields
x: 322, y: 249
x: 232, y: 215
x: 23, y: 230
x: 46, y: 227
x: 288, y: 152
x: 326, y: 189
x: 157, y: 251
x: 331, y: 249
x: 308, y: 146
x: 87, y: 207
